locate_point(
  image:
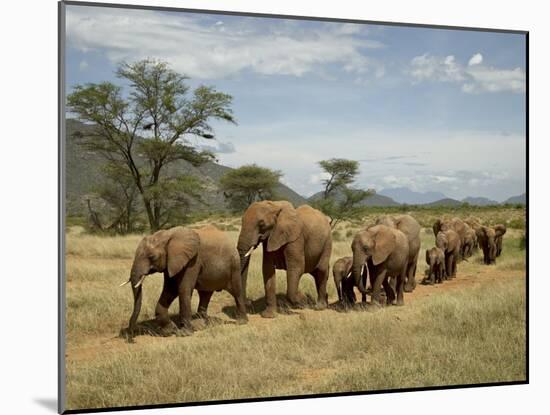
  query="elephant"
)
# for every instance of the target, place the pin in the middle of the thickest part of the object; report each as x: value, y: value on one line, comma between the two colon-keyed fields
x: 455, y: 224
x: 500, y: 230
x: 296, y: 240
x: 203, y: 259
x: 341, y: 271
x: 435, y: 258
x: 488, y: 239
x: 411, y: 228
x: 385, y: 251
x: 470, y: 242
x: 474, y: 223
x: 449, y: 242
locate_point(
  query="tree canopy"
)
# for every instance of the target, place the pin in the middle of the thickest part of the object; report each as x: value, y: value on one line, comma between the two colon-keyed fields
x: 248, y: 184
x: 341, y: 172
x: 147, y: 126
x: 339, y: 200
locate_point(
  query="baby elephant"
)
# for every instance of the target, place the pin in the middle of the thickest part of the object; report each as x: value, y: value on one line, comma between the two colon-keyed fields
x: 341, y: 271
x: 435, y: 258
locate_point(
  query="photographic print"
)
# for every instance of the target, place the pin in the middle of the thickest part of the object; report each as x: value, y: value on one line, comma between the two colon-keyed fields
x: 258, y: 207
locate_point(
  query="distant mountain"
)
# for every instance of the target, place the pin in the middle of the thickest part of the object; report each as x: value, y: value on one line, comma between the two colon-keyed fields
x: 83, y: 174
x: 520, y: 199
x: 373, y: 200
x: 445, y: 202
x: 479, y: 201
x: 410, y: 197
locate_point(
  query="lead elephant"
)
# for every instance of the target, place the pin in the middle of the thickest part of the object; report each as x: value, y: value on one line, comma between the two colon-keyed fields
x: 202, y: 259
x: 411, y: 228
x: 385, y: 252
x: 296, y: 240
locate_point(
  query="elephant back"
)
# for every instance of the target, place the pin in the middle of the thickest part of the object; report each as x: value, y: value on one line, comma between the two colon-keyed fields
x: 216, y: 244
x: 314, y: 221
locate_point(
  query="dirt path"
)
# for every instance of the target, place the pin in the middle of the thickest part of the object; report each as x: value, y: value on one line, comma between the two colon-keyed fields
x: 92, y: 347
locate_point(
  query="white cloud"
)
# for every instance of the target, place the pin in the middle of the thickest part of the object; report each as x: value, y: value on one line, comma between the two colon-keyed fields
x: 318, y: 177
x: 474, y: 77
x: 197, y: 48
x: 83, y: 65
x: 427, y: 67
x: 456, y: 163
x: 475, y: 59
x: 488, y: 79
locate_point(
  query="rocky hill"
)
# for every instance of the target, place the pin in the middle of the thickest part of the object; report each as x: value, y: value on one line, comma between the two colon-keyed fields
x: 83, y: 174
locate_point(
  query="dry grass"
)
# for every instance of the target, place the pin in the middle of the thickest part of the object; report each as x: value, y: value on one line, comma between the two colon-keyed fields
x: 469, y: 333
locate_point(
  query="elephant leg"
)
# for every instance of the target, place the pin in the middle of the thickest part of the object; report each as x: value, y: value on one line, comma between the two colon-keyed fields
x: 486, y: 259
x: 204, y: 300
x: 185, y: 294
x: 375, y: 298
x: 455, y: 260
x: 238, y: 294
x: 390, y: 296
x: 449, y: 265
x: 411, y: 272
x: 167, y: 297
x: 401, y: 287
x: 321, y: 278
x: 295, y: 297
x: 268, y: 270
x: 338, y: 285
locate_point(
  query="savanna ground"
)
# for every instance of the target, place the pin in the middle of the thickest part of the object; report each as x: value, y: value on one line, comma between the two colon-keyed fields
x: 468, y: 330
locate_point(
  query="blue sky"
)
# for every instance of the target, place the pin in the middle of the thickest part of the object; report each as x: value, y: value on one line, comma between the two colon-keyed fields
x: 428, y: 109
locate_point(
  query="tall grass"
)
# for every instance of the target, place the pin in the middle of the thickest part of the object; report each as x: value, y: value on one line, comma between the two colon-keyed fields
x: 475, y: 336
x: 472, y: 335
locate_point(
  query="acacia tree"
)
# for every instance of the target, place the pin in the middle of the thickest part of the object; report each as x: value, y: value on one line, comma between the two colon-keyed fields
x: 341, y: 173
x: 149, y: 127
x: 119, y: 192
x: 339, y: 200
x: 248, y: 184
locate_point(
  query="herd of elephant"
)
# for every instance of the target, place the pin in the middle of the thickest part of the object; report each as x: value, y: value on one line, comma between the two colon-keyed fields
x: 298, y: 240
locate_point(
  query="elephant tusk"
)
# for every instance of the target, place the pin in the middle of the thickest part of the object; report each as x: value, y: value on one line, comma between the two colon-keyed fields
x: 139, y: 282
x: 362, y: 269
x: 124, y: 283
x: 249, y: 252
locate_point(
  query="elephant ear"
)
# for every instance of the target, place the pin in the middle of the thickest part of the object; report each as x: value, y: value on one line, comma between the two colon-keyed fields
x: 287, y: 229
x: 500, y: 230
x: 182, y: 246
x: 384, y: 244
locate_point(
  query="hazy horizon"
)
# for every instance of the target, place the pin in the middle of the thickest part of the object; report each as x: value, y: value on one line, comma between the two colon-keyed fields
x: 427, y: 109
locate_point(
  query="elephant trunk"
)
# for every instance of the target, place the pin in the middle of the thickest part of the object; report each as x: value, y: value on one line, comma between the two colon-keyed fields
x: 138, y: 294
x: 245, y: 262
x: 248, y: 241
x: 359, y: 260
x: 136, y: 278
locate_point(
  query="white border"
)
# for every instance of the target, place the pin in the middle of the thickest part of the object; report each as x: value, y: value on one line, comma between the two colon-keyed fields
x: 29, y: 202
